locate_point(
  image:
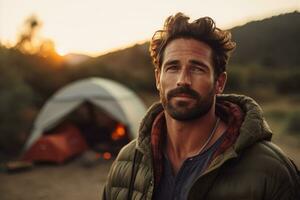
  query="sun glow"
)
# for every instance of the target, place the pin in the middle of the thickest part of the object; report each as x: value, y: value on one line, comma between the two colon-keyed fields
x: 97, y: 27
x: 61, y: 51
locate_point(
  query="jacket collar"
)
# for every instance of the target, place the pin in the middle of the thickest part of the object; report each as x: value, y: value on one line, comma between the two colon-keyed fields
x: 144, y: 137
x: 253, y: 129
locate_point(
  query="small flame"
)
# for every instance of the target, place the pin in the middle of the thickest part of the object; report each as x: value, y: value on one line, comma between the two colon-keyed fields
x: 106, y: 155
x: 118, y: 133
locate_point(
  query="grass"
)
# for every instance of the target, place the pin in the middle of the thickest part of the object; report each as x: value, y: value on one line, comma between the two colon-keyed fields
x: 279, y: 114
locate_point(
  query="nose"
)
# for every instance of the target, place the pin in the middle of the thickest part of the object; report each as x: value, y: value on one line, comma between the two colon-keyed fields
x: 184, y: 78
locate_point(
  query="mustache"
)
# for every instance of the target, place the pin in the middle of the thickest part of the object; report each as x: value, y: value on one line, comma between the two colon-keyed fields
x: 183, y: 90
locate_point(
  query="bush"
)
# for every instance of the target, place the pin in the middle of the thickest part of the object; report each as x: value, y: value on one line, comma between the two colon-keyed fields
x: 289, y: 83
x: 293, y: 124
x: 16, y: 99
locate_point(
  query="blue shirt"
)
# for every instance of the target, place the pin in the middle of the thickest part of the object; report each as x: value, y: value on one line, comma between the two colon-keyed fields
x: 177, y: 187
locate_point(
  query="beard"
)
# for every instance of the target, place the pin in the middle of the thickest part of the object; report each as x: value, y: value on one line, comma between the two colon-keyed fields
x: 183, y: 110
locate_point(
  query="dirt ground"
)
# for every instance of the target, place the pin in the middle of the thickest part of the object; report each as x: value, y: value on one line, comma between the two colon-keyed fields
x: 74, y: 181
x: 71, y: 181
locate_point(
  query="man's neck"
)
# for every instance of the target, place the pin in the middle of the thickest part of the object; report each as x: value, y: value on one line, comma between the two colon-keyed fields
x: 186, y: 138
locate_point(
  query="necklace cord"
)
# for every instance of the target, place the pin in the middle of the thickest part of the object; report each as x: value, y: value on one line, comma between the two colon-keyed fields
x: 211, y: 135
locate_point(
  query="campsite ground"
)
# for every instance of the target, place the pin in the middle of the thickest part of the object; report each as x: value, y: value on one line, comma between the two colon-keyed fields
x: 71, y: 181
x: 75, y: 181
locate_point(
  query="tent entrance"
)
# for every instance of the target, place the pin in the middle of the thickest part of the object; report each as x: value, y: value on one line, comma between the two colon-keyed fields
x: 101, y: 131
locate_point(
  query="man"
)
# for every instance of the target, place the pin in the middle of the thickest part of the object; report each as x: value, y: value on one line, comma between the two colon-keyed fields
x: 197, y: 143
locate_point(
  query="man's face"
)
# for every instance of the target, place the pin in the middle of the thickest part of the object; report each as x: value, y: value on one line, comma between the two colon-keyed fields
x: 186, y: 79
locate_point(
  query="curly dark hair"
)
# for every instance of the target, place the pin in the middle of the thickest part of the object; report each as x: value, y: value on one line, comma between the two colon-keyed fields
x: 203, y: 29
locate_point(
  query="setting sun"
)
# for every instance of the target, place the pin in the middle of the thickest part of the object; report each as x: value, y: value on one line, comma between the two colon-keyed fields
x: 97, y: 27
x: 62, y: 51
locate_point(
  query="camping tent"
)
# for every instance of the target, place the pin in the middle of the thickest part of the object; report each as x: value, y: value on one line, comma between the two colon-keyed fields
x: 115, y: 99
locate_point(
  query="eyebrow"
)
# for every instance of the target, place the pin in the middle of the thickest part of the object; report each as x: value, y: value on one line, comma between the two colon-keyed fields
x: 172, y: 62
x: 197, y: 62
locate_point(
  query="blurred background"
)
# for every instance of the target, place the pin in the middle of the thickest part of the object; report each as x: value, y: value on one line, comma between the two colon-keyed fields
x: 45, y: 45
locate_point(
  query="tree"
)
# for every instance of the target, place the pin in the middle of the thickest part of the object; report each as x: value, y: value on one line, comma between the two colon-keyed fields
x: 30, y: 42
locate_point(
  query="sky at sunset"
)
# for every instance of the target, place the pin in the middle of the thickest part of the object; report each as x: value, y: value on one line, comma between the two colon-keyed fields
x: 94, y: 27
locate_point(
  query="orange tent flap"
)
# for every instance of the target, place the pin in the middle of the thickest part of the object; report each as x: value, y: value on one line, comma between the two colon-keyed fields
x: 57, y: 147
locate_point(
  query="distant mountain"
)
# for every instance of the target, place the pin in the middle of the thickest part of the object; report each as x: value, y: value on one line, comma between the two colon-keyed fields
x: 274, y: 40
x: 271, y: 42
x: 75, y: 59
x: 131, y: 66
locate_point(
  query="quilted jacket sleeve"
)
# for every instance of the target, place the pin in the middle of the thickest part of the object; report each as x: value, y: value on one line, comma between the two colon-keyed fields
x: 118, y: 178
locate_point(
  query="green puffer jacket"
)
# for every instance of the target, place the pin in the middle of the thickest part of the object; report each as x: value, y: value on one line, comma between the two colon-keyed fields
x: 247, y: 170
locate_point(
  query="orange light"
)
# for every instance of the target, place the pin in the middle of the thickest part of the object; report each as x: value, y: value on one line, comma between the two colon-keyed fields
x: 107, y: 155
x: 118, y: 133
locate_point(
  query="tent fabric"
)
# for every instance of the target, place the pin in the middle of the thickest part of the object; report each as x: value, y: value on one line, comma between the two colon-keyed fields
x: 115, y: 99
x: 57, y: 147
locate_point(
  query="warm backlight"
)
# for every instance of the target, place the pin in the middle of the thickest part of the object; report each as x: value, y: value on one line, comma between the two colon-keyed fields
x: 61, y: 51
x: 118, y: 133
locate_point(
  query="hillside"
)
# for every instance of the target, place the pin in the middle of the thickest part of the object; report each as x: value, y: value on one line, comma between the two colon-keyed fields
x: 271, y: 42
x: 131, y: 66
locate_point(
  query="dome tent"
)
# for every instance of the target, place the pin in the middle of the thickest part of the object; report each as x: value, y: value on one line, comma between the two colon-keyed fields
x: 115, y: 99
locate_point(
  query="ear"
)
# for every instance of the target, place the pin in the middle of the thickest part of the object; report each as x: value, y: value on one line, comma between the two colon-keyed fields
x: 220, y: 83
x: 157, y: 78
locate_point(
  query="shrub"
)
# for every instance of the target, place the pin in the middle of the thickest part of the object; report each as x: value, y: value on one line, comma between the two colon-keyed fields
x: 293, y: 124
